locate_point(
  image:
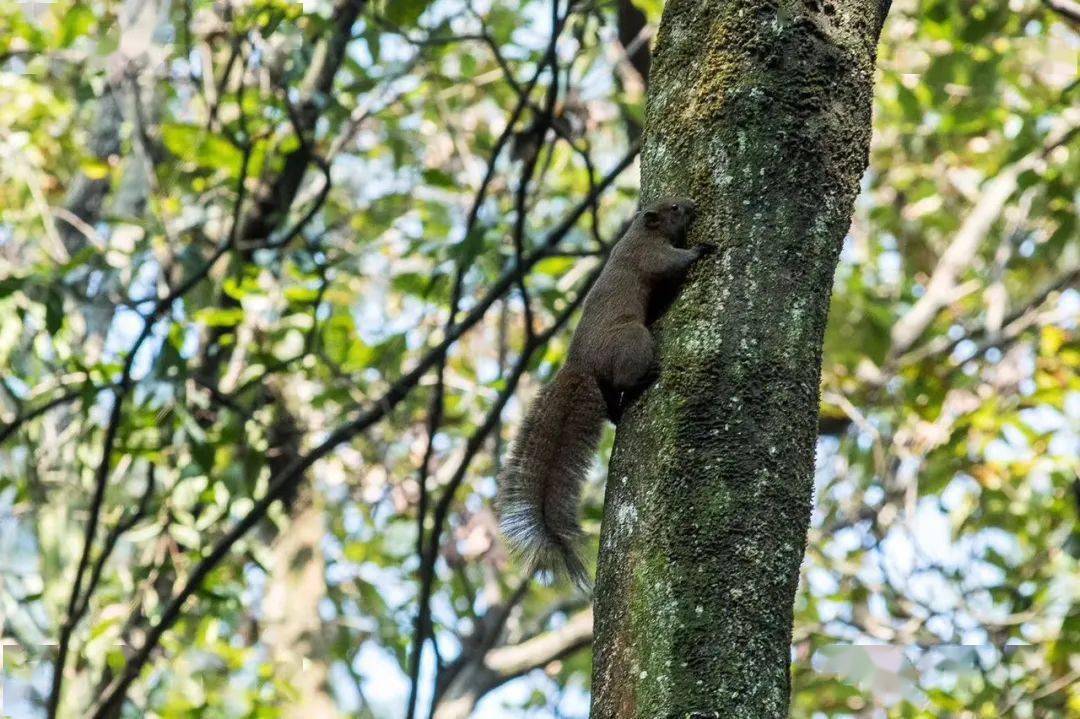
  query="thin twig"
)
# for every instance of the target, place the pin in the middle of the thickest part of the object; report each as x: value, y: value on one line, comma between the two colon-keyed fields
x: 286, y: 478
x: 120, y: 392
x: 24, y: 417
x: 472, y: 447
x: 122, y: 526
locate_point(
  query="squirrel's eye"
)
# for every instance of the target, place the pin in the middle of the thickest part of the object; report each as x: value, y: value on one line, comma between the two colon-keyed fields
x: 674, y: 208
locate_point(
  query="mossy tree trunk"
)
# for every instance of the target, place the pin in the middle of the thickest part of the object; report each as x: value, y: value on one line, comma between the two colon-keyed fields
x: 760, y: 111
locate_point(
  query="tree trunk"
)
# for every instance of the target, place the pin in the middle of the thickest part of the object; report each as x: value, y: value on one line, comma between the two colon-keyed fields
x: 762, y: 115
x: 295, y: 634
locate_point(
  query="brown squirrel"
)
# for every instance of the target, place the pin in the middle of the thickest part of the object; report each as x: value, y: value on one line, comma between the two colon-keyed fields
x: 611, y: 355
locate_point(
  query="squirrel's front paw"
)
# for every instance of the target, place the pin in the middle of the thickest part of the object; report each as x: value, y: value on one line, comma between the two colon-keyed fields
x: 704, y: 249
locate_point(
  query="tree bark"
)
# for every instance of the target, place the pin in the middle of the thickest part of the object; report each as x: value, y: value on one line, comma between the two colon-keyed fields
x: 295, y: 634
x: 759, y: 111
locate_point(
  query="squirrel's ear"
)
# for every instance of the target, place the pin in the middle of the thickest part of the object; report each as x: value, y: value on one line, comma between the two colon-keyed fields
x: 651, y: 217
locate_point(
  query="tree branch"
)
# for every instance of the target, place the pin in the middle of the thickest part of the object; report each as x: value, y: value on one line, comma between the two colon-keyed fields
x: 943, y: 344
x: 283, y: 480
x: 24, y: 417
x: 77, y: 608
x: 943, y: 287
x: 517, y: 659
x: 1068, y: 9
x: 435, y: 413
x: 494, y: 667
x: 476, y: 441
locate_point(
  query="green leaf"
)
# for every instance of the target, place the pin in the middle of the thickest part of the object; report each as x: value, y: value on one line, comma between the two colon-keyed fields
x: 465, y: 251
x: 554, y: 266
x: 116, y: 659
x: 651, y: 9
x: 239, y: 289
x: 8, y: 285
x: 417, y: 284
x: 357, y: 552
x: 301, y: 295
x: 220, y: 317
x: 404, y: 13
x: 206, y: 150
x: 95, y: 169
x: 76, y: 22
x: 438, y: 178
x: 339, y: 337
x: 54, y: 311
x: 203, y: 454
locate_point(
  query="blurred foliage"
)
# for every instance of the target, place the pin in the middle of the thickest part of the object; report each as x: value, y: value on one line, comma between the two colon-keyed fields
x: 135, y: 135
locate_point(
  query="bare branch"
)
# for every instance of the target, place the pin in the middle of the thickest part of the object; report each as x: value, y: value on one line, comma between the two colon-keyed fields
x: 943, y: 288
x: 515, y: 660
x: 435, y: 413
x: 472, y: 447
x: 76, y: 607
x: 494, y: 667
x: 284, y: 480
x: 122, y: 526
x: 1068, y: 9
x: 943, y: 344
x: 24, y: 417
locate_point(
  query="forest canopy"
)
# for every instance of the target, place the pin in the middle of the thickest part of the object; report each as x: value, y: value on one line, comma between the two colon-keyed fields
x: 277, y: 280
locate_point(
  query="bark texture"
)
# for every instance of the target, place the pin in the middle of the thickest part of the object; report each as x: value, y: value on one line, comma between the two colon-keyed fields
x: 295, y: 634
x: 759, y: 111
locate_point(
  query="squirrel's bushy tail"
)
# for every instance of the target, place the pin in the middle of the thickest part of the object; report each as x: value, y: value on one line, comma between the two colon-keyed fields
x: 540, y: 487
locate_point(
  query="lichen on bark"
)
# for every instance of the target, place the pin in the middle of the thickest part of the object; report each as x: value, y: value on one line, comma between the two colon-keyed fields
x: 760, y: 111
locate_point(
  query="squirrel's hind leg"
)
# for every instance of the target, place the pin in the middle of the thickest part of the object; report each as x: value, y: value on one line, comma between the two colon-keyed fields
x: 633, y: 356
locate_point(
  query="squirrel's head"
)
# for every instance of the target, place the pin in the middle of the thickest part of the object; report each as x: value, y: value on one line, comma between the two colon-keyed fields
x: 670, y: 216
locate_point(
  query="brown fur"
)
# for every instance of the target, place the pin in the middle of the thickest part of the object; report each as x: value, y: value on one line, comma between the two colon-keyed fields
x: 610, y: 353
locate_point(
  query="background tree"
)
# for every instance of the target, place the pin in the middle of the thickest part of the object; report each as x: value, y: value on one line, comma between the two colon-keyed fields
x: 276, y: 278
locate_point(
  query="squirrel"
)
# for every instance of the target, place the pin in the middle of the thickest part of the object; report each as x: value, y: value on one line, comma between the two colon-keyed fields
x: 611, y: 356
